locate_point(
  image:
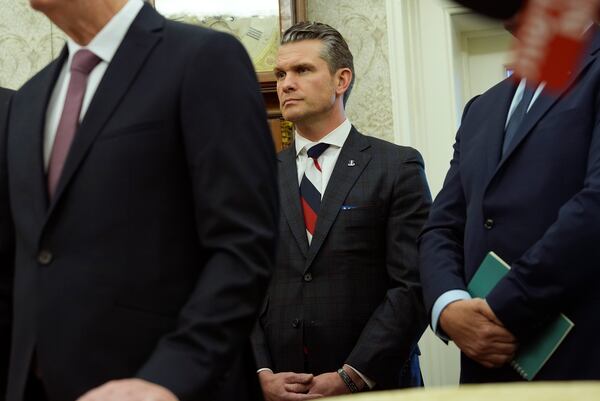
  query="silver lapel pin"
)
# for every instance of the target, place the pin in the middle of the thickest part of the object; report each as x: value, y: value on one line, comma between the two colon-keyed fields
x: 351, y: 163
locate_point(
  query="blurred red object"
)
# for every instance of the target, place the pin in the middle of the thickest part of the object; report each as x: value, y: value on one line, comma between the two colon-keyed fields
x: 552, y: 39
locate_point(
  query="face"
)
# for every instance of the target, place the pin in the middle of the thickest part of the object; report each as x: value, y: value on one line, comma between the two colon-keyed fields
x: 305, y: 86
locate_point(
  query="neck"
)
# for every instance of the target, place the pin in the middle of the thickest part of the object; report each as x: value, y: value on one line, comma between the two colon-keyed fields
x: 82, y: 20
x: 316, y: 130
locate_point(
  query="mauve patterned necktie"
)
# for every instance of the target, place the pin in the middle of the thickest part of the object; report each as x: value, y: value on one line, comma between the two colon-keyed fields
x: 84, y: 61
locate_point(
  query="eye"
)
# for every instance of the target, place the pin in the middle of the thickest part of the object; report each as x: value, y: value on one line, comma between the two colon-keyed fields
x: 279, y: 75
x: 302, y: 70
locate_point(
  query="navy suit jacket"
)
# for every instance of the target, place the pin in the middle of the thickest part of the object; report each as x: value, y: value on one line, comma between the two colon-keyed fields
x: 6, y: 256
x: 153, y: 256
x: 538, y: 207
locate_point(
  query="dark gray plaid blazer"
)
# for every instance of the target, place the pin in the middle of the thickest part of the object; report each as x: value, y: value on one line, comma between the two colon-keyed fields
x: 354, y: 295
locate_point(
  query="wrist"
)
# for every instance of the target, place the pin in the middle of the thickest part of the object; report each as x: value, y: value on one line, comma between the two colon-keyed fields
x: 358, y: 381
x: 349, y: 384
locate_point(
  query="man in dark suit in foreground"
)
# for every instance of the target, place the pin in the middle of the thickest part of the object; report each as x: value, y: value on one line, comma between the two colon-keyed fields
x: 344, y: 311
x: 6, y: 257
x: 142, y: 184
x: 524, y: 182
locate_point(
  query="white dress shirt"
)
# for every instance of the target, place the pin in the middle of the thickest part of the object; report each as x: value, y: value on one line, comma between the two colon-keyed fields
x: 457, y: 295
x: 335, y: 139
x: 104, y: 45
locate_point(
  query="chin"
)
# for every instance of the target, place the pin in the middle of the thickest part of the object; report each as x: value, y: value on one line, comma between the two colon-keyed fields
x: 290, y: 115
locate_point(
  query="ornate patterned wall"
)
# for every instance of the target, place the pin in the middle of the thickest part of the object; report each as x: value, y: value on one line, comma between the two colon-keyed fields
x: 27, y: 42
x: 363, y: 24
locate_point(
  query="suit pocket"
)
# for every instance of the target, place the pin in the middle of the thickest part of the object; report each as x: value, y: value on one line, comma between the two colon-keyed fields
x: 147, y: 127
x: 357, y: 216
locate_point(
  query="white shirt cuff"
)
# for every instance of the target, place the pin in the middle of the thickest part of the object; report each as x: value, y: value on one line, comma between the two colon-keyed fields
x: 444, y: 300
x: 263, y: 369
x: 368, y: 381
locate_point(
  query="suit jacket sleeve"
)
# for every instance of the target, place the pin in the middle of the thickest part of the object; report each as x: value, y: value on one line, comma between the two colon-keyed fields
x: 539, y: 285
x: 231, y: 159
x: 260, y: 346
x: 441, y: 257
x: 397, y: 324
x: 6, y: 248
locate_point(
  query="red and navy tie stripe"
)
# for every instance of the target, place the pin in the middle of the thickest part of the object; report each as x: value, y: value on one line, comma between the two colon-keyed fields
x: 310, y: 195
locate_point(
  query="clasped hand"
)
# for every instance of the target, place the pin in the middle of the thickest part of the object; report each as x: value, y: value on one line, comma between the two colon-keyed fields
x: 476, y: 330
x: 290, y: 386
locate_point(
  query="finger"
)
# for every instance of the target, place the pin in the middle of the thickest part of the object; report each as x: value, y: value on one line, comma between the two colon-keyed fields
x: 502, y: 349
x: 302, y: 378
x: 300, y: 397
x: 491, y: 332
x: 296, y: 387
x: 489, y: 313
x: 495, y: 360
x: 484, y: 346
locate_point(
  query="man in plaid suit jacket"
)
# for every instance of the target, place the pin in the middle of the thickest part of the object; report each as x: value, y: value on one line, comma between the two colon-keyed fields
x: 344, y: 310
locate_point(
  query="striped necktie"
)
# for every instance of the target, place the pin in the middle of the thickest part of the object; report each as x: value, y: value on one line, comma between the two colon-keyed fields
x: 310, y: 189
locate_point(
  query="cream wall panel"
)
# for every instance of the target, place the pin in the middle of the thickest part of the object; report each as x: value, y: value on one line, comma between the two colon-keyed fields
x: 26, y: 42
x: 363, y: 24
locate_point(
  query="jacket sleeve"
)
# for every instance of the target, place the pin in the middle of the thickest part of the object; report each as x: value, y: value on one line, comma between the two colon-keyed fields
x: 259, y: 343
x: 231, y: 162
x: 398, y: 322
x: 441, y: 256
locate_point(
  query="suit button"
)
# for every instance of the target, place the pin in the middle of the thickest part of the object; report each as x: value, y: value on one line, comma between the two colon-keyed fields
x: 308, y: 277
x: 489, y: 223
x: 296, y: 323
x: 44, y: 257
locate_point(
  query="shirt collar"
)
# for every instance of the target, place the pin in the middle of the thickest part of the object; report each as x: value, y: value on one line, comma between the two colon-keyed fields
x: 336, y: 138
x: 107, y: 41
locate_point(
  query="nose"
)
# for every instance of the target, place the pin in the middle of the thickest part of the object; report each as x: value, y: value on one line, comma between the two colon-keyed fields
x: 288, y: 83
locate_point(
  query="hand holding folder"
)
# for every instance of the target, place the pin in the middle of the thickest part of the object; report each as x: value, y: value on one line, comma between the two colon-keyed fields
x: 533, y: 354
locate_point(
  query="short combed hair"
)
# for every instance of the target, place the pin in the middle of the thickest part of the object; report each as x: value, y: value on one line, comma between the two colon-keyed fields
x: 335, y: 49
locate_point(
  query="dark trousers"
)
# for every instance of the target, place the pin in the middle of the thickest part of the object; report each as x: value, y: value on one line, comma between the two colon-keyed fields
x: 34, y: 391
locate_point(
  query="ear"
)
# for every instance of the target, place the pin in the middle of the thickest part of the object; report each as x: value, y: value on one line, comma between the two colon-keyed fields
x: 343, y: 78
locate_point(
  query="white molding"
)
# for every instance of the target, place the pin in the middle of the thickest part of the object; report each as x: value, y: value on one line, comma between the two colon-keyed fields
x: 405, y: 78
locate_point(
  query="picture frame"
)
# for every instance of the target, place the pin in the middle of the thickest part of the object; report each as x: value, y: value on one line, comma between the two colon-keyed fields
x: 289, y: 12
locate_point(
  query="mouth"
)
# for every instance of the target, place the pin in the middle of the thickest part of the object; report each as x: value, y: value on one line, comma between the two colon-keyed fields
x: 290, y: 101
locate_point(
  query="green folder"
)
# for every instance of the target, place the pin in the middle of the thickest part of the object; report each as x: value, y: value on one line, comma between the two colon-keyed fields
x: 532, y: 355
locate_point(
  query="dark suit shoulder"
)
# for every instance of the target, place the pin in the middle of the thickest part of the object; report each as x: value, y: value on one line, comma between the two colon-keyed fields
x: 198, y: 37
x: 395, y: 153
x: 40, y: 78
x: 5, y: 94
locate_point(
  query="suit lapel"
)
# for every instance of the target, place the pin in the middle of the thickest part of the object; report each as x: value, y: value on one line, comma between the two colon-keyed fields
x: 121, y: 72
x: 35, y: 130
x: 545, y: 102
x: 341, y: 182
x: 290, y: 197
x: 494, y: 131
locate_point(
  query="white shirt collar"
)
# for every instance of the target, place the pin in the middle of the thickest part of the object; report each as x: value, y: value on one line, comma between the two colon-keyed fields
x: 107, y: 41
x: 337, y: 137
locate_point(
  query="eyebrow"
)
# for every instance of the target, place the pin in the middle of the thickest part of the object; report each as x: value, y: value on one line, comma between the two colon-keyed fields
x: 308, y: 66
